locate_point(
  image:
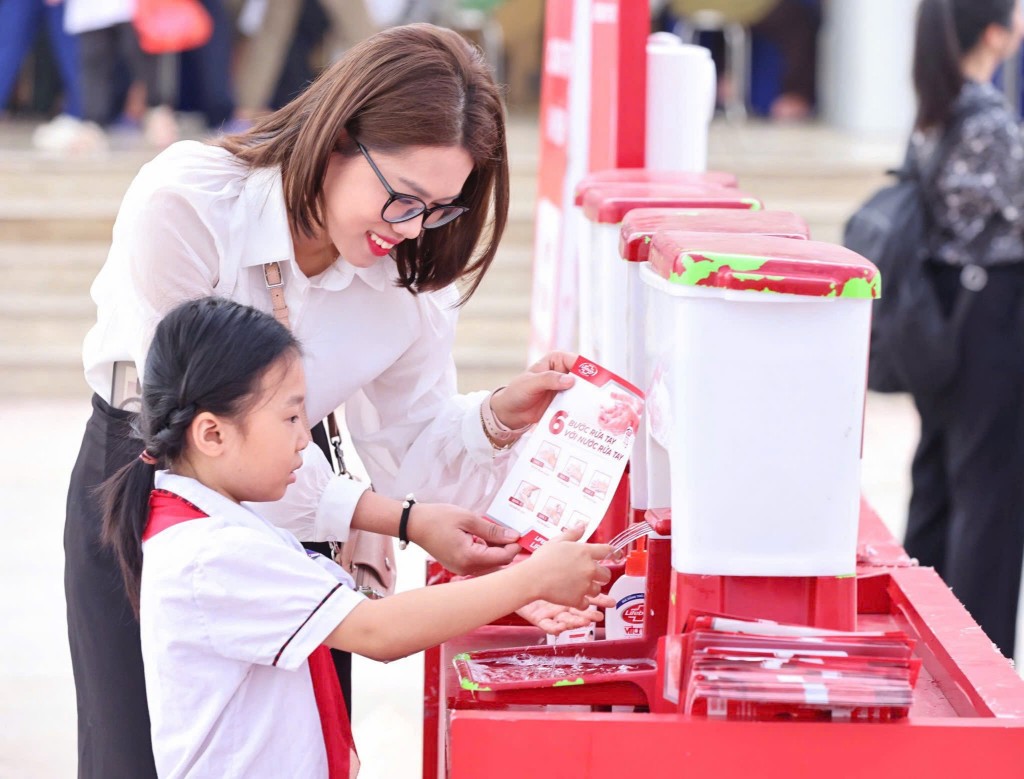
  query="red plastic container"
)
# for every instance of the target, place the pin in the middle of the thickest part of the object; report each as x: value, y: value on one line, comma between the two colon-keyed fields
x: 712, y: 178
x: 640, y: 225
x: 609, y: 203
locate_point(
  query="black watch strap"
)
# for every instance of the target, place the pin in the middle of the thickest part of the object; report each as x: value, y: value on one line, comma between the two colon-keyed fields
x: 403, y: 523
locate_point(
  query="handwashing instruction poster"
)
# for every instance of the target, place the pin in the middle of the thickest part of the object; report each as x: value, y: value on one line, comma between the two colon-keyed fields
x: 572, y: 461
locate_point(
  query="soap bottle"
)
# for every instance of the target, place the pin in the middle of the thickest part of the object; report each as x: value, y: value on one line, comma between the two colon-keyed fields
x: 626, y: 618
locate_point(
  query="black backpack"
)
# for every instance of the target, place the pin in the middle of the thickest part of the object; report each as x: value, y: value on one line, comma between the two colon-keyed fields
x: 914, y: 344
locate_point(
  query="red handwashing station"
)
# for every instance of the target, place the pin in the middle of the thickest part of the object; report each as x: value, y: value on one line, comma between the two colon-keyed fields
x: 751, y: 342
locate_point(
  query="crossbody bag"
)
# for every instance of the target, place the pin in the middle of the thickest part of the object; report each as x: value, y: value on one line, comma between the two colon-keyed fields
x: 368, y: 557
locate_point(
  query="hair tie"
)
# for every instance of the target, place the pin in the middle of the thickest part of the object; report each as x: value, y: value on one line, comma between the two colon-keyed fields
x: 147, y: 458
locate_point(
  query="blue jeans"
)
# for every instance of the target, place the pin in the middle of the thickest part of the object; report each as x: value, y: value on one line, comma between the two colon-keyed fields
x: 21, y: 20
x: 206, y: 71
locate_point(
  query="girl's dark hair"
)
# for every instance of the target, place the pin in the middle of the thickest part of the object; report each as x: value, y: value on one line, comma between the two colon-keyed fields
x: 415, y: 85
x: 946, y: 30
x: 206, y: 355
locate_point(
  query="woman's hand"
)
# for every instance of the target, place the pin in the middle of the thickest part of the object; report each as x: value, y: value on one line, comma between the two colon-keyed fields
x: 526, y: 398
x: 554, y: 619
x: 463, y: 542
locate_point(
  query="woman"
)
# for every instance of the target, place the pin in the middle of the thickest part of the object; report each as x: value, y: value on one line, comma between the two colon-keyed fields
x: 353, y: 211
x: 967, y: 509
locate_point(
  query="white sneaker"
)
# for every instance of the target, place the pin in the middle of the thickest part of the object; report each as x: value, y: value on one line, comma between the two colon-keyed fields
x: 90, y: 139
x: 160, y: 127
x: 53, y: 135
x: 66, y: 134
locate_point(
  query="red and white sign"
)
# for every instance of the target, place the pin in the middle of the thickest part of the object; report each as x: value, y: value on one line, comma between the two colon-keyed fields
x: 592, y: 116
x: 573, y: 459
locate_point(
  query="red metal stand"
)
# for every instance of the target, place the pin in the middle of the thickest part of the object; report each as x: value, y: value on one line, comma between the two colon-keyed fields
x: 967, y: 718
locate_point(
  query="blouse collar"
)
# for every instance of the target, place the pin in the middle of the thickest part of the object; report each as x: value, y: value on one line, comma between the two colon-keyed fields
x: 268, y: 237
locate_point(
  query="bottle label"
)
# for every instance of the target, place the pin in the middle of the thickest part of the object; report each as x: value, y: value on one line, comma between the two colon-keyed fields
x: 634, y: 614
x: 630, y: 598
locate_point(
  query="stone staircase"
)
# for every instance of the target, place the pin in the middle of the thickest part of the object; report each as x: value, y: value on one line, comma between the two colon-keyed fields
x: 56, y: 218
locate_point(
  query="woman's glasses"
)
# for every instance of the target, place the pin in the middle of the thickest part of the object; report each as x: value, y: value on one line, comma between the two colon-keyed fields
x: 402, y: 208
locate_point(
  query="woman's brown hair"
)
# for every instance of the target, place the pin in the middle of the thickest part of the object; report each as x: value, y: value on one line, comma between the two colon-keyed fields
x: 415, y: 85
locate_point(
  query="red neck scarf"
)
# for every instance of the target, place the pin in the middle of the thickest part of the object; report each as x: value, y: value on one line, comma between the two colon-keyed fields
x: 167, y: 510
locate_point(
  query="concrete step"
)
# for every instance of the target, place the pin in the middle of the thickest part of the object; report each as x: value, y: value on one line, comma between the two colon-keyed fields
x: 56, y: 371
x: 28, y: 178
x: 42, y: 370
x: 493, y: 332
x: 43, y: 331
x: 46, y: 268
x: 472, y: 378
x: 482, y: 308
x: 77, y: 219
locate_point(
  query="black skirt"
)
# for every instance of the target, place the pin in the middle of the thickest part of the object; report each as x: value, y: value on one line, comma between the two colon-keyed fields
x: 106, y: 655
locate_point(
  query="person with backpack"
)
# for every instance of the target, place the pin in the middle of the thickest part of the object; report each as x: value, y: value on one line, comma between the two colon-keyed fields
x: 966, y: 516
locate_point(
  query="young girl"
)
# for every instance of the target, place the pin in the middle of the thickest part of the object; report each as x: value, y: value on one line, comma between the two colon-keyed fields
x: 233, y: 610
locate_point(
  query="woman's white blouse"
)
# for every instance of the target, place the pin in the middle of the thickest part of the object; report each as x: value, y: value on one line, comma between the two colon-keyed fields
x: 195, y: 222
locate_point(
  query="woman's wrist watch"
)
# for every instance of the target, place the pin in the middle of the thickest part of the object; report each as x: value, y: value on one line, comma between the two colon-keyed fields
x: 499, y: 434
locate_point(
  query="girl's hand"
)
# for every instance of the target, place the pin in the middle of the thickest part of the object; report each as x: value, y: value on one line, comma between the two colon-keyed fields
x: 463, y: 542
x: 526, y: 398
x: 552, y: 618
x: 568, y: 573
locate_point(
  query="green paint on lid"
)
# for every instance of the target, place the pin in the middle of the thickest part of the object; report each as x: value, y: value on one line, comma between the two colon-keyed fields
x: 752, y: 203
x: 469, y: 684
x: 648, y: 238
x: 863, y: 288
x: 568, y: 682
x: 847, y: 576
x: 779, y: 275
x: 757, y: 277
x: 461, y: 656
x: 698, y: 267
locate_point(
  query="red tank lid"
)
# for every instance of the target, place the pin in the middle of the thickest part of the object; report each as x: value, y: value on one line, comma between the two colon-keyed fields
x: 760, y: 263
x: 640, y: 225
x: 714, y: 178
x: 609, y: 203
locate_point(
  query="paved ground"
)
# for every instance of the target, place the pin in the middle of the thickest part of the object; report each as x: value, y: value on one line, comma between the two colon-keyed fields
x: 817, y: 173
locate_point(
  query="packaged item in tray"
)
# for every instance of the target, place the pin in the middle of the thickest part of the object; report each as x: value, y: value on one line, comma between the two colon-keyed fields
x: 572, y: 461
x: 726, y: 708
x: 755, y: 669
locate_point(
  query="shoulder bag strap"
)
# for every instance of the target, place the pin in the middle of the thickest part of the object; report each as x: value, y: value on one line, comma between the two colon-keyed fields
x: 274, y: 278
x: 367, y: 556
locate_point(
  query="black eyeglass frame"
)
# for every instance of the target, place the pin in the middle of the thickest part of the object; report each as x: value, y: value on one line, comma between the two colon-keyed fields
x: 457, y: 209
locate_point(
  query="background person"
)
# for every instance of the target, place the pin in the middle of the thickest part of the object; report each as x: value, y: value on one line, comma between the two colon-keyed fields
x: 966, y: 516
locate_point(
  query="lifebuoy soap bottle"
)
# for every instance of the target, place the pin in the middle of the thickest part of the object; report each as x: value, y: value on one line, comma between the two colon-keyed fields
x: 626, y: 618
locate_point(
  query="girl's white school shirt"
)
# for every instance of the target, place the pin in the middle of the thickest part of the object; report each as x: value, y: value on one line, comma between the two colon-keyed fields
x: 230, y: 609
x: 196, y: 222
